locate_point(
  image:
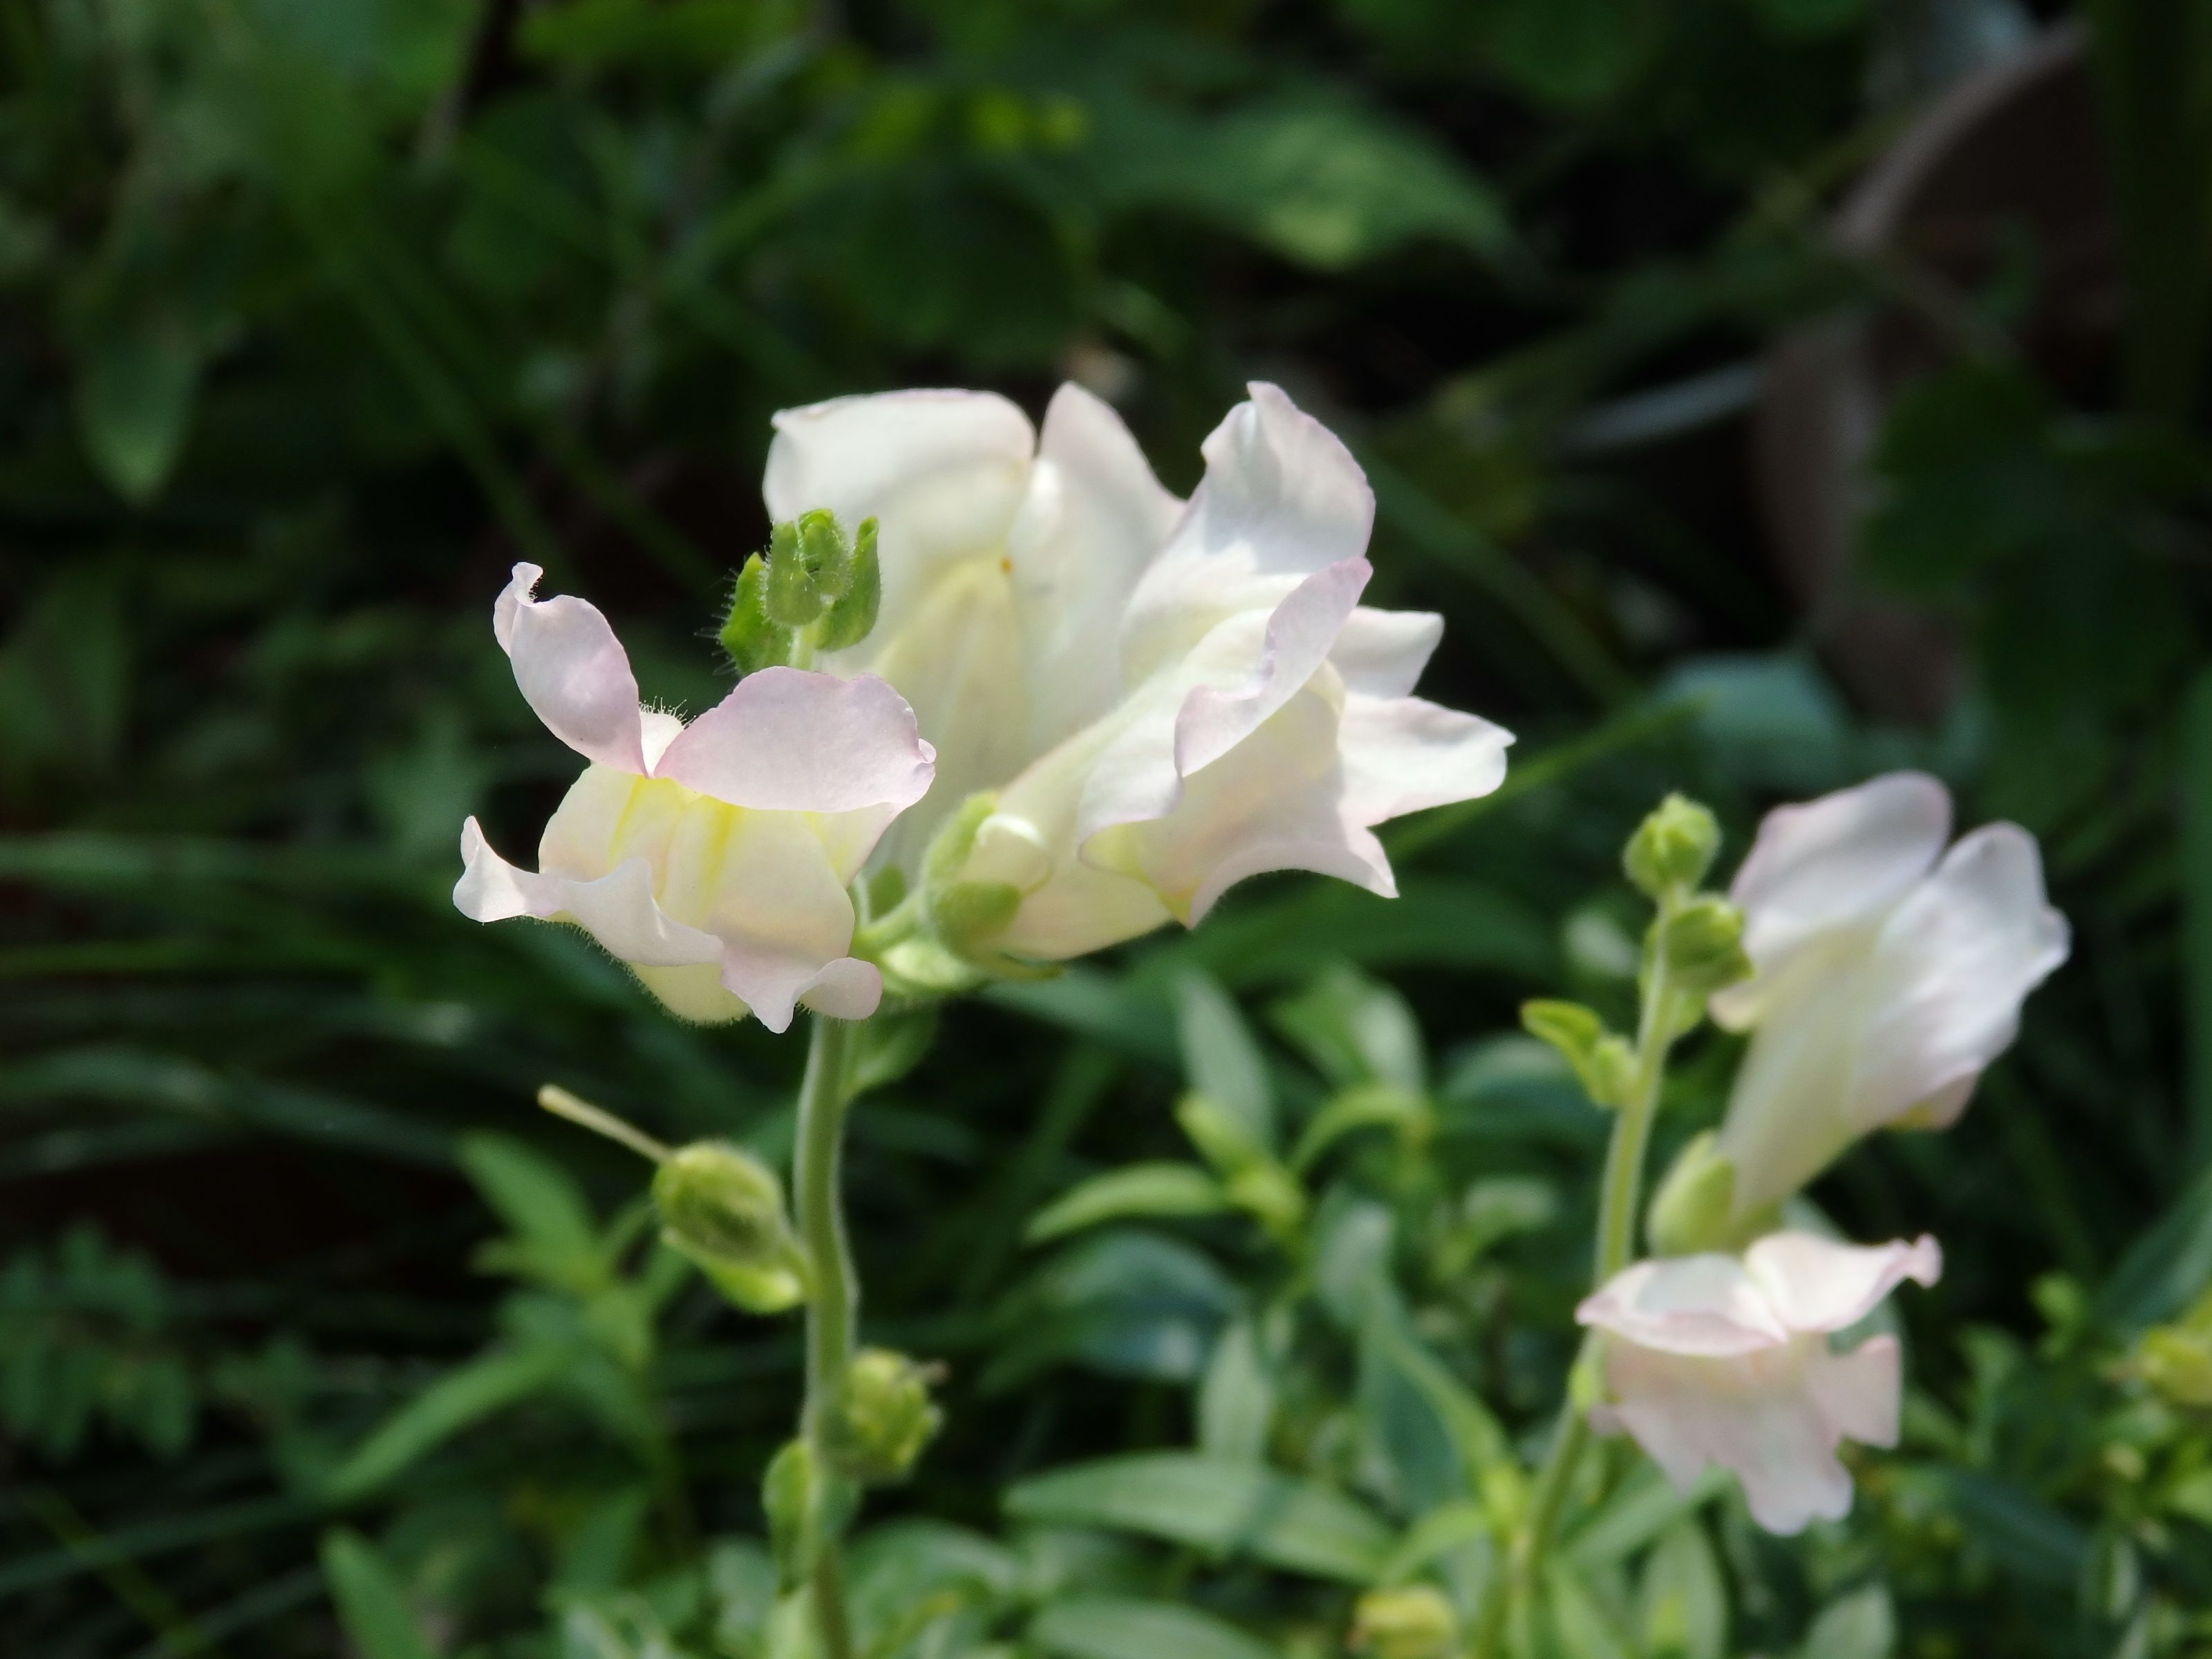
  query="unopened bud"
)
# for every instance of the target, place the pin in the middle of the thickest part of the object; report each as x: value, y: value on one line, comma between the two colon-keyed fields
x: 1702, y: 945
x: 1672, y: 848
x: 851, y: 610
x: 1694, y: 1209
x: 794, y: 597
x: 753, y: 639
x: 884, y: 1416
x: 722, y: 1208
x: 1412, y: 1621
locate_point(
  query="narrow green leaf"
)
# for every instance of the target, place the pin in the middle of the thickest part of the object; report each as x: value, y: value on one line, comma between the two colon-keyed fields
x: 1235, y: 1508
x: 1862, y: 1625
x: 1137, y: 1189
x: 461, y: 1397
x: 1222, y: 1059
x: 370, y: 1601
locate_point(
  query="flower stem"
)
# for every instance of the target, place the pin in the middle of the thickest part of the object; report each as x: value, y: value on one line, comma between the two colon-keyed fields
x: 1619, y: 1194
x: 833, y: 1293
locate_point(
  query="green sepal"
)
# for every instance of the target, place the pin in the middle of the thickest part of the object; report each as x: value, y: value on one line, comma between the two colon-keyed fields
x: 967, y: 915
x: 792, y: 599
x: 1672, y: 848
x: 1702, y: 944
x: 857, y: 596
x: 752, y: 641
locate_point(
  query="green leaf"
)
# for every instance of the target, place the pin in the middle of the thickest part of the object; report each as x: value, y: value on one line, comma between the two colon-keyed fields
x: 1139, y: 1190
x: 1580, y: 1623
x: 1355, y: 1029
x: 1364, y: 1106
x: 1125, y: 1301
x: 463, y: 1396
x: 1236, y: 1397
x: 371, y: 1604
x: 135, y: 384
x: 1645, y: 1506
x: 1231, y: 1507
x: 1861, y: 1626
x: 556, y: 1237
x: 1221, y: 1059
x: 1682, y: 1600
x: 1122, y: 1627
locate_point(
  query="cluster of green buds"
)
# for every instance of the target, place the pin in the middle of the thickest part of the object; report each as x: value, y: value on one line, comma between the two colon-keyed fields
x: 883, y: 1418
x: 815, y: 590
x: 942, y: 937
x: 1693, y: 947
x: 722, y: 1209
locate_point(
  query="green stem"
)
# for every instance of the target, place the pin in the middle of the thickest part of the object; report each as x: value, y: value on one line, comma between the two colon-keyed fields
x: 1620, y: 1193
x: 833, y: 1294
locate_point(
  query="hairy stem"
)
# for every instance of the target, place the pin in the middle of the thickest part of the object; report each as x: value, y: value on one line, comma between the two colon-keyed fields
x: 833, y: 1299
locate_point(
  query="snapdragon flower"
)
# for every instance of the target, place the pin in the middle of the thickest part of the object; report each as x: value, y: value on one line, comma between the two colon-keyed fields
x: 1158, y: 698
x: 1725, y: 1359
x: 711, y: 859
x: 1887, y: 974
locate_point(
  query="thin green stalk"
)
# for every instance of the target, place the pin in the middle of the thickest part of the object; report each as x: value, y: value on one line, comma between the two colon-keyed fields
x: 1620, y: 1202
x: 832, y: 1302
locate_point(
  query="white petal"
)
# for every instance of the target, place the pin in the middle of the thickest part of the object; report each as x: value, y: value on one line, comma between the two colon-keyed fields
x: 1951, y: 967
x: 1833, y: 863
x: 1816, y: 1283
x: 1092, y: 519
x: 786, y: 741
x: 617, y: 909
x: 1757, y: 1415
x: 1704, y: 1306
x: 1860, y: 1393
x: 1381, y: 653
x: 1300, y: 631
x: 1282, y: 500
x: 572, y: 670
x: 1402, y: 754
x: 941, y: 471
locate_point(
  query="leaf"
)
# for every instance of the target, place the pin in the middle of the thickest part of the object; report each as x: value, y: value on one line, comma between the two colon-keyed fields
x: 556, y: 1237
x: 461, y: 1397
x: 1138, y: 1190
x: 1236, y: 1397
x: 135, y: 384
x: 371, y: 1604
x: 1231, y: 1507
x: 1682, y: 1600
x: 1645, y: 1506
x: 2021, y: 1532
x: 1122, y: 1627
x: 1126, y: 1302
x: 1579, y: 1622
x: 1354, y: 1029
x: 2169, y: 1263
x: 1861, y: 1626
x: 1221, y: 1059
x: 1364, y: 1106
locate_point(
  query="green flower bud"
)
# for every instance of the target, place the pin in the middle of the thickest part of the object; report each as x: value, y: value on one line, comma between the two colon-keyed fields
x: 722, y: 1208
x: 752, y: 639
x: 1694, y: 1209
x: 967, y: 915
x: 1412, y: 1621
x: 1672, y: 848
x: 1702, y: 945
x: 807, y: 1506
x: 852, y: 611
x: 884, y: 1416
x: 2175, y: 1362
x: 794, y: 597
x: 1604, y: 1063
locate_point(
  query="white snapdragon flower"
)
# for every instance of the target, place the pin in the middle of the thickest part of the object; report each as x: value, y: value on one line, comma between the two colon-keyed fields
x: 1887, y: 973
x: 711, y: 859
x: 1725, y: 1359
x: 1163, y: 697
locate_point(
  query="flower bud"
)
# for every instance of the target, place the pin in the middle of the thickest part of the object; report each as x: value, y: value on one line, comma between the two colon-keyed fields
x: 1702, y: 945
x: 722, y: 1208
x: 1693, y: 1210
x: 851, y: 615
x: 1672, y: 848
x: 1604, y: 1063
x: 807, y: 1505
x: 2175, y: 1362
x: 752, y: 639
x: 1412, y: 1621
x: 794, y: 599
x: 884, y: 1416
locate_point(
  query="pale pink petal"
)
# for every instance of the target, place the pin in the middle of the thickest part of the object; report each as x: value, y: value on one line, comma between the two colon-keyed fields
x: 1403, y: 754
x: 1704, y: 1306
x: 942, y: 473
x: 1091, y: 520
x: 1815, y: 1283
x: 1860, y: 1394
x: 1838, y: 861
x: 1300, y: 631
x: 1282, y: 500
x: 1950, y: 968
x: 787, y: 741
x: 573, y: 671
x: 619, y: 910
x: 1381, y: 653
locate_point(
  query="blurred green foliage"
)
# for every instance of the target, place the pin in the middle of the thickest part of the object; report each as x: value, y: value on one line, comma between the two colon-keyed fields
x: 317, y: 316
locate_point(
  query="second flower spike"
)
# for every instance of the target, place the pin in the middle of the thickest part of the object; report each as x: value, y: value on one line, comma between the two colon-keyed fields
x: 711, y: 859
